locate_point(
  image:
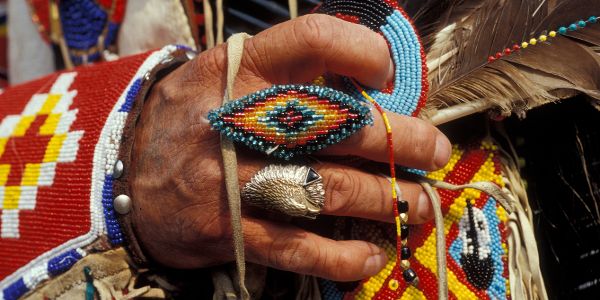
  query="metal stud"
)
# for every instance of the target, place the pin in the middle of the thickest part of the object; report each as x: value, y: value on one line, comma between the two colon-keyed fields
x: 118, y: 169
x: 122, y: 204
x: 190, y: 54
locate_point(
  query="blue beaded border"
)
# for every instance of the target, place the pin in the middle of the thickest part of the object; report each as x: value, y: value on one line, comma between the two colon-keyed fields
x: 406, y: 54
x: 55, y: 266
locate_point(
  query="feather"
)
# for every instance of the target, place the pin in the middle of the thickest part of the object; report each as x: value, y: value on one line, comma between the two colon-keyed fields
x: 470, y: 31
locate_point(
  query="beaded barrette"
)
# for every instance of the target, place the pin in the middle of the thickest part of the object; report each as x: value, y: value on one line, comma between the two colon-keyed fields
x: 291, y: 120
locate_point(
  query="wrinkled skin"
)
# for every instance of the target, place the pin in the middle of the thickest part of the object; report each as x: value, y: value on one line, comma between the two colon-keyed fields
x: 180, y: 207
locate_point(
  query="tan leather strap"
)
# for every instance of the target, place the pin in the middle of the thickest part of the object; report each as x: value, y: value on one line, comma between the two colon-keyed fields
x: 440, y: 240
x: 235, y: 46
x: 208, y: 24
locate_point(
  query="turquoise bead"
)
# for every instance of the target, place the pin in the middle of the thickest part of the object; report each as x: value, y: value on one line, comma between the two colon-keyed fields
x: 562, y: 30
x: 581, y: 23
x: 572, y: 27
x: 593, y: 19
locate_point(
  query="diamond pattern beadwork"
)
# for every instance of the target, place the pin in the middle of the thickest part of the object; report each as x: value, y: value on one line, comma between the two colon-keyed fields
x: 291, y: 120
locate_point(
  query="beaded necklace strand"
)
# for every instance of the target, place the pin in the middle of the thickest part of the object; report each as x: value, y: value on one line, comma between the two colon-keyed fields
x: 543, y: 38
x: 400, y: 206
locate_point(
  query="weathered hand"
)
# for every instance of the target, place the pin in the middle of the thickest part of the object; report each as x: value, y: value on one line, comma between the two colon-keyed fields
x: 180, y: 210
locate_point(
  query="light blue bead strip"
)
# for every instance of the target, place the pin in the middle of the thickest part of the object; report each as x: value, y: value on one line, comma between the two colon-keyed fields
x: 497, y: 289
x: 406, y: 53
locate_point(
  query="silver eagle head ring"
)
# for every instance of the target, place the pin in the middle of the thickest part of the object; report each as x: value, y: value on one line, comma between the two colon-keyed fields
x: 290, y: 189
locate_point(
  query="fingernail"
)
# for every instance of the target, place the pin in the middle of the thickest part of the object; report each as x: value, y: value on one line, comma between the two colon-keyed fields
x: 374, y: 264
x: 391, y: 73
x: 443, y: 149
x: 424, y: 210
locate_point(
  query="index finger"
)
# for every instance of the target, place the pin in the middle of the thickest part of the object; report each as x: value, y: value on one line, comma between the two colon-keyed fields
x: 306, y: 47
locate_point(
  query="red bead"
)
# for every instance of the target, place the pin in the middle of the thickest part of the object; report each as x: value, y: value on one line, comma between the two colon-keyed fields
x: 491, y: 59
x: 516, y: 47
x: 507, y: 51
x: 498, y: 55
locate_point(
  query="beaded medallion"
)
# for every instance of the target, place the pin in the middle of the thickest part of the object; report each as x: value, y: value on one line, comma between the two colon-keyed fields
x: 476, y: 239
x: 291, y: 120
x: 408, y: 92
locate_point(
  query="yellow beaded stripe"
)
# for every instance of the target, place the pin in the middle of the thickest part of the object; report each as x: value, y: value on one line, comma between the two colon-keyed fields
x: 412, y: 293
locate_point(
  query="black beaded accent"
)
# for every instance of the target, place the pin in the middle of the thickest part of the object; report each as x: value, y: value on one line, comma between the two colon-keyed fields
x: 404, y: 231
x: 480, y: 272
x: 402, y: 206
x: 372, y: 13
x: 409, y: 275
x: 405, y: 253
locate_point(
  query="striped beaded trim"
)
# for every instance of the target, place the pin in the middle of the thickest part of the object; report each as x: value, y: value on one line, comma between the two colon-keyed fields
x: 103, y: 218
x: 400, y: 206
x: 408, y: 92
x: 290, y: 120
x: 543, y: 38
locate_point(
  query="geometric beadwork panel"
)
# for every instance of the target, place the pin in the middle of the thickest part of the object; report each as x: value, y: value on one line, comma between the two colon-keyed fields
x: 476, y: 239
x: 59, y: 140
x: 44, y: 123
x: 49, y: 132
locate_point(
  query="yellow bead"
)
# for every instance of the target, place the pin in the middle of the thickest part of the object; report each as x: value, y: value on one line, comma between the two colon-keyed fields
x: 524, y: 45
x: 552, y: 33
x: 393, y: 284
x: 543, y: 38
x: 533, y: 42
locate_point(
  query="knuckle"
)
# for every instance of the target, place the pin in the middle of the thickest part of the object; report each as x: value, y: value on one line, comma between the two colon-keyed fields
x: 167, y: 92
x: 342, y: 188
x: 422, y: 140
x: 293, y: 253
x: 314, y: 31
x: 255, y: 58
x: 341, y: 261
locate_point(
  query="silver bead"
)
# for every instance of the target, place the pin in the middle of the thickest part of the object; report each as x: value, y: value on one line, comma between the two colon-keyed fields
x: 122, y: 204
x: 118, y: 169
x: 190, y: 54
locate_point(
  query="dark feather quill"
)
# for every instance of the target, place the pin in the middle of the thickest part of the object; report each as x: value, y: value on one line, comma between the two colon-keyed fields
x: 470, y: 31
